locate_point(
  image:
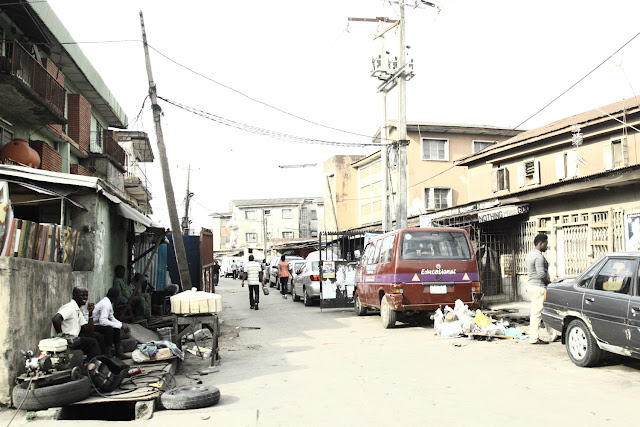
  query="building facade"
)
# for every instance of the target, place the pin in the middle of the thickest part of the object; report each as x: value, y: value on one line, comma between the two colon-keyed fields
x: 255, y: 222
x: 353, y: 191
x: 221, y: 231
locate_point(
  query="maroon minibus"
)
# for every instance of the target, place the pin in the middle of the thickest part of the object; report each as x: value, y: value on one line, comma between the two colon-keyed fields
x: 416, y: 270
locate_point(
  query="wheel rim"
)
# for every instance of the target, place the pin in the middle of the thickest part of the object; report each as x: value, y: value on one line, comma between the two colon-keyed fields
x: 293, y: 293
x: 578, y: 343
x: 306, y: 297
x: 384, y: 311
x: 357, y: 303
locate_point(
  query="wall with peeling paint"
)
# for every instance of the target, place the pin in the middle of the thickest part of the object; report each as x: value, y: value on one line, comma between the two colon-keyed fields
x: 31, y: 292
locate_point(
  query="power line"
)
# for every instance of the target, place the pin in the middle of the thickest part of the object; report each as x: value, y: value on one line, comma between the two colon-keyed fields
x: 266, y: 132
x: 257, y: 100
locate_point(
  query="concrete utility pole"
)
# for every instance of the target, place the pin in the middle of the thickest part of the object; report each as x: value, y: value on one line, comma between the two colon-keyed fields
x: 178, y: 244
x: 264, y: 233
x: 401, y: 205
x: 185, y: 221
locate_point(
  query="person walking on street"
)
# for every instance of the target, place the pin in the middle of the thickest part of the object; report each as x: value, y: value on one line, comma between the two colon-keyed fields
x: 234, y: 269
x: 283, y: 269
x: 252, y: 269
x: 538, y: 271
x: 216, y: 273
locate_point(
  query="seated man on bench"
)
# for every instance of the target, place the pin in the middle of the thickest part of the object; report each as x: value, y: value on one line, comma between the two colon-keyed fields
x: 69, y: 320
x: 107, y: 325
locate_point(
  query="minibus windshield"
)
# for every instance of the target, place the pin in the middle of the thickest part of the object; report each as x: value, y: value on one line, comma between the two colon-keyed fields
x: 425, y: 245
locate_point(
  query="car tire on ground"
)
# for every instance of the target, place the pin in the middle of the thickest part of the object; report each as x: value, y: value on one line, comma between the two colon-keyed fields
x: 190, y: 397
x: 581, y: 345
x: 294, y: 297
x: 306, y: 299
x: 52, y: 396
x: 387, y: 315
x: 360, y: 309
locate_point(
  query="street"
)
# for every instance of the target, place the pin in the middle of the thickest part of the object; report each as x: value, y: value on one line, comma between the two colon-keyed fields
x: 307, y: 367
x: 291, y: 365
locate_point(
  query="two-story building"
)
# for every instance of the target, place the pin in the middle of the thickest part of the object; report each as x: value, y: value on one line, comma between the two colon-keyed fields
x: 576, y: 179
x: 221, y: 231
x: 63, y: 180
x: 256, y: 221
x: 353, y: 190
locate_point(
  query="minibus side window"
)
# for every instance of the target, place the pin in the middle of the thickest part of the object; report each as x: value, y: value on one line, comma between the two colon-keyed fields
x: 368, y: 251
x: 376, y: 255
x: 387, y: 249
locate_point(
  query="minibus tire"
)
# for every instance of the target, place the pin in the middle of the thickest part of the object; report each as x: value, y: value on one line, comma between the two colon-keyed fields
x: 360, y: 309
x: 387, y: 315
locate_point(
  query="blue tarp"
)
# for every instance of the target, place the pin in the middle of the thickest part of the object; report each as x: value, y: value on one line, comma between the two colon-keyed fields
x: 192, y: 248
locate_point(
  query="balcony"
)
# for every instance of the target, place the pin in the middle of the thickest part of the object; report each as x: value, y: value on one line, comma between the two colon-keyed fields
x: 30, y: 95
x: 136, y: 182
x: 104, y: 145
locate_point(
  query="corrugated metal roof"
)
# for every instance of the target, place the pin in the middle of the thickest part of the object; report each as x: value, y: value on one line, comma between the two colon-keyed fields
x: 275, y: 202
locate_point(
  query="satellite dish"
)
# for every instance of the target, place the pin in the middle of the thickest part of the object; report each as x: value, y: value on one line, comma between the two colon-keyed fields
x: 418, y: 205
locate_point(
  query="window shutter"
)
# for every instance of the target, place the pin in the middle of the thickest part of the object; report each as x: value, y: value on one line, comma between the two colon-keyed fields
x: 494, y: 180
x: 572, y: 163
x: 607, y: 156
x: 536, y: 172
x: 625, y: 151
x: 449, y: 198
x: 505, y: 176
x: 521, y: 175
x: 430, y: 199
x: 560, y: 169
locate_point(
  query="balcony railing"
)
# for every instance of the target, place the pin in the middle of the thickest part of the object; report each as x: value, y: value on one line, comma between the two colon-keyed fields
x: 112, y: 149
x: 19, y: 63
x: 134, y: 171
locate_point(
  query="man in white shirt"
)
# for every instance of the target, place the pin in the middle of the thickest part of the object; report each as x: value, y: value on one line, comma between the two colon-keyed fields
x: 70, y: 320
x: 107, y: 325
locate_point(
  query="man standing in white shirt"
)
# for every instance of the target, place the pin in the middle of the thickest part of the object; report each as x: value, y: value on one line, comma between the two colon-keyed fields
x: 70, y: 320
x: 107, y: 325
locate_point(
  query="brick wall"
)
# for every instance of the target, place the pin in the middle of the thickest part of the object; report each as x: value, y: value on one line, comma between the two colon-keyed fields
x: 79, y: 116
x: 50, y: 159
x: 79, y: 170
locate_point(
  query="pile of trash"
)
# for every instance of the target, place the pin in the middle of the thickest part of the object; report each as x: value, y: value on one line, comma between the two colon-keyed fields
x: 459, y: 320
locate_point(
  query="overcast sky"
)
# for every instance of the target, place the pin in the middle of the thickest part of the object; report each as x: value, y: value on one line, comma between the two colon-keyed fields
x: 476, y: 62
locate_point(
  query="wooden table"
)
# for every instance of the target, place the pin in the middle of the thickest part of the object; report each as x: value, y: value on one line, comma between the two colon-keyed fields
x: 191, y: 323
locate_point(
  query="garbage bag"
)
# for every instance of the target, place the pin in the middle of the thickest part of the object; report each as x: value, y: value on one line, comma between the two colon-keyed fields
x: 481, y: 319
x: 451, y: 329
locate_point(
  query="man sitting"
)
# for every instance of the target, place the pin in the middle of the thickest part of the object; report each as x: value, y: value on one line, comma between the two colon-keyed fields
x: 107, y: 325
x: 69, y: 320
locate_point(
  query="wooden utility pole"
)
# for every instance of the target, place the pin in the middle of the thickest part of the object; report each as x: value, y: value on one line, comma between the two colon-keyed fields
x: 178, y: 244
x: 401, y: 206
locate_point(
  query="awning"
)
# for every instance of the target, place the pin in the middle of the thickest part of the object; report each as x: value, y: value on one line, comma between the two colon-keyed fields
x: 45, y: 191
x: 130, y: 213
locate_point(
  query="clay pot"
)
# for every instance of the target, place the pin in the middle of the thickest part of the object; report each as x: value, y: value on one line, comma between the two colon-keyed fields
x: 19, y: 151
x: 35, y: 158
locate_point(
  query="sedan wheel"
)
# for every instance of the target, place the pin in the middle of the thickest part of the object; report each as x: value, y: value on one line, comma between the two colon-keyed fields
x: 581, y: 345
x: 387, y: 314
x: 306, y: 299
x: 294, y: 296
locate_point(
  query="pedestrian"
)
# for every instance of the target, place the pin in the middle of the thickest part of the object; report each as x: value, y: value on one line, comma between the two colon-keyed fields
x: 283, y: 270
x: 252, y: 269
x: 538, y: 271
x: 234, y: 269
x: 216, y: 273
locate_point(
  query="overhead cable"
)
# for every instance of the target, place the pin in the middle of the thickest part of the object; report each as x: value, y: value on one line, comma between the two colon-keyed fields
x: 266, y: 132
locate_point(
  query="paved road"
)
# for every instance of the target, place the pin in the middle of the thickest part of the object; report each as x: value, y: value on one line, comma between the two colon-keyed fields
x: 304, y: 367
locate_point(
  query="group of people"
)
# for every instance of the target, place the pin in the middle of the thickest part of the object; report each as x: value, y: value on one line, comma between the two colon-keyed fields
x: 237, y: 269
x: 253, y: 270
x: 96, y: 325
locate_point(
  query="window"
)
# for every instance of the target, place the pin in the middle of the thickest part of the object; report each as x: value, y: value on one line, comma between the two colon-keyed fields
x: 387, y: 249
x: 616, y: 154
x: 287, y: 234
x: 287, y: 213
x: 250, y: 215
x: 423, y: 245
x: 615, y: 276
x: 268, y: 234
x: 224, y: 240
x: 252, y: 237
x: 370, y: 192
x: 435, y: 149
x: 529, y: 173
x: 96, y: 135
x: 500, y: 179
x: 567, y: 164
x: 437, y: 198
x: 314, y: 215
x: 5, y: 137
x: 481, y: 145
x: 367, y: 257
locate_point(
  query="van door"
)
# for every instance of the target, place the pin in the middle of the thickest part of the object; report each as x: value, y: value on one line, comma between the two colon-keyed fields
x: 366, y: 276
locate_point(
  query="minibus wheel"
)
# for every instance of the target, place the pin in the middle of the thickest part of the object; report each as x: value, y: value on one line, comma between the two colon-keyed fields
x: 360, y: 309
x: 387, y: 315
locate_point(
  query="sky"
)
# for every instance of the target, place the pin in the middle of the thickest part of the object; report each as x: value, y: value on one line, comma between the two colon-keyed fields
x: 494, y: 63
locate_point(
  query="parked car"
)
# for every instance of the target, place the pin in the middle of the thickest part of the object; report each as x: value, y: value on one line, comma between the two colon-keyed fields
x: 416, y: 271
x: 273, y: 269
x: 225, y: 265
x: 598, y: 311
x: 296, y: 267
x: 306, y: 284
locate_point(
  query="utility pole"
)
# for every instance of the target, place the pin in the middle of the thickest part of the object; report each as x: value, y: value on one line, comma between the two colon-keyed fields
x: 264, y: 233
x: 185, y: 221
x: 178, y: 244
x: 401, y: 206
